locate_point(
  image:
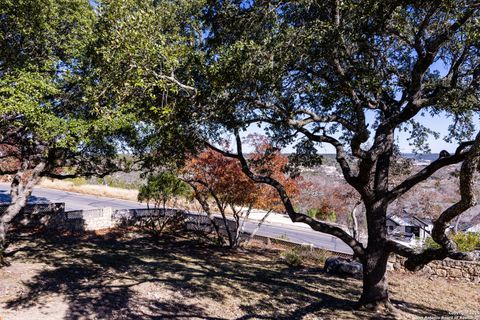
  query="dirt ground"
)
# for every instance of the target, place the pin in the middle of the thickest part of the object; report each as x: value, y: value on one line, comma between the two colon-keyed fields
x: 119, y: 277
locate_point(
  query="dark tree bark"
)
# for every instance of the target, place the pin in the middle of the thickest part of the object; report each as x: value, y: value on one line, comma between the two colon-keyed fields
x: 20, y: 192
x: 374, y: 261
x: 375, y: 285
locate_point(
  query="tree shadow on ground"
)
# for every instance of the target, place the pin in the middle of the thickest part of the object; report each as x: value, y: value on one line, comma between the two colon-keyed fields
x: 103, y: 277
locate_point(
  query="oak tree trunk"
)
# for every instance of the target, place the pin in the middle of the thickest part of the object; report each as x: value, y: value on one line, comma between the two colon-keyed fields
x: 20, y: 191
x: 10, y: 213
x: 3, y: 242
x: 375, y: 286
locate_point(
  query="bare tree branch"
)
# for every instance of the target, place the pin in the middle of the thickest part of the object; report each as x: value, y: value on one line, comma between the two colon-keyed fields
x: 176, y: 81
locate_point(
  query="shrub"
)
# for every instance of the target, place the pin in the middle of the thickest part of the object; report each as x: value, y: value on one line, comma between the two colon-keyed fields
x: 162, y: 222
x: 284, y: 236
x: 312, y: 213
x: 79, y: 181
x: 292, y: 258
x: 297, y: 257
x: 316, y: 256
x: 161, y: 188
x: 323, y: 213
x: 431, y: 244
x: 466, y: 241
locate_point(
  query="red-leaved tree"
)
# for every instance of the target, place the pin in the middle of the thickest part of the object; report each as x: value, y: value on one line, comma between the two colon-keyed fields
x: 214, y: 176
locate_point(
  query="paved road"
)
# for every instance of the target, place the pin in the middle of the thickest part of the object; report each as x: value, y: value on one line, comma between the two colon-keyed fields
x: 76, y: 201
x: 72, y: 200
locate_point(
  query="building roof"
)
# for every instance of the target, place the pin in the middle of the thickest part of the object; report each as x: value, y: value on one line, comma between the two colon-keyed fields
x: 425, y: 221
x: 469, y: 226
x: 399, y: 221
x: 410, y: 221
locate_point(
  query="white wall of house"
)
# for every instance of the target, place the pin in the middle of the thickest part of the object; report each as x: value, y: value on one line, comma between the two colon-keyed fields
x: 475, y: 228
x: 420, y: 232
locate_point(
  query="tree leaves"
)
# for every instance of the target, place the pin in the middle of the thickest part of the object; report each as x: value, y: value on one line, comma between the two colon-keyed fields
x: 46, y: 112
x: 162, y: 187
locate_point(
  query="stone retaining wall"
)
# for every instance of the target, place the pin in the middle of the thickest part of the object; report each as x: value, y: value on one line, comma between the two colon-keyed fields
x: 106, y: 218
x: 86, y: 220
x: 451, y: 269
x: 36, y: 215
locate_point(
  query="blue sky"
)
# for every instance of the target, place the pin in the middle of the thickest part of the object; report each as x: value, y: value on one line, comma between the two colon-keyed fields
x: 438, y: 123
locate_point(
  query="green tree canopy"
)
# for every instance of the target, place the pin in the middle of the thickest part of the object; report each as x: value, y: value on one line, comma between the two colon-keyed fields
x: 46, y: 114
x: 141, y: 65
x: 48, y: 123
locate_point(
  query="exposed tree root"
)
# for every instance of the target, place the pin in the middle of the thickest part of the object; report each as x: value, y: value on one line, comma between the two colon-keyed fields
x: 3, y: 261
x: 381, y: 306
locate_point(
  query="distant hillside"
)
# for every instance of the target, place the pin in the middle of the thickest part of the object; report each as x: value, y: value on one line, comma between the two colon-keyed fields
x: 421, y: 157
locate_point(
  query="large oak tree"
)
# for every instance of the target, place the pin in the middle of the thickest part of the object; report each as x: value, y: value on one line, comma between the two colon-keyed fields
x: 353, y: 75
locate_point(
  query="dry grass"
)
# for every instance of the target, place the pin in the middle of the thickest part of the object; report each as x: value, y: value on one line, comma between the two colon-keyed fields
x: 133, y: 277
x: 97, y: 190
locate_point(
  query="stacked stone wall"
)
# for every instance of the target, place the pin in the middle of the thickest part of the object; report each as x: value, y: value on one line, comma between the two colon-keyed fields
x: 468, y: 271
x: 38, y: 215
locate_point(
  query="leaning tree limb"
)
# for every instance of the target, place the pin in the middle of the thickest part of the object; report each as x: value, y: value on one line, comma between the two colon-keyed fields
x: 202, y: 199
x: 20, y: 192
x: 448, y: 249
x: 353, y: 215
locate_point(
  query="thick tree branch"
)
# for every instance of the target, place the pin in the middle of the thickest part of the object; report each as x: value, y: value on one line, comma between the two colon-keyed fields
x: 20, y: 191
x: 315, y: 118
x: 453, y: 73
x: 341, y: 155
x: 316, y: 225
x: 429, y: 170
